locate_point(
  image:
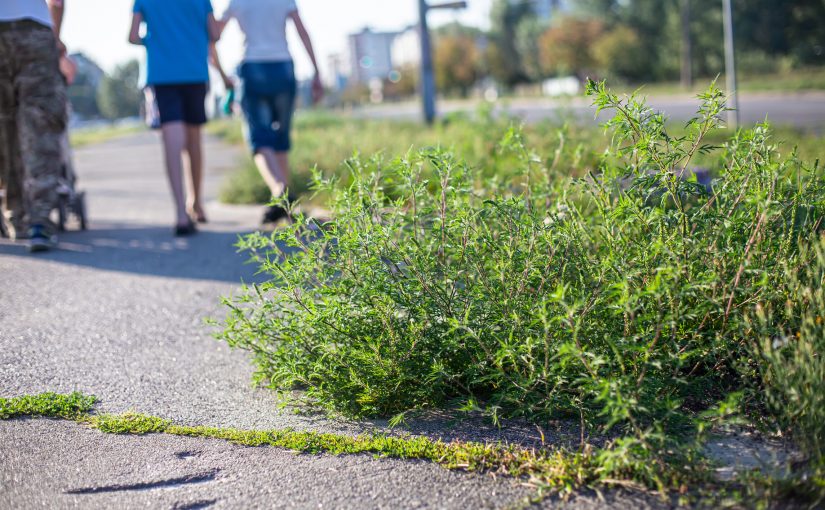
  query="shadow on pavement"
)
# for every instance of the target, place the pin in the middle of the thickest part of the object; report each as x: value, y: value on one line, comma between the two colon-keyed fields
x: 151, y: 251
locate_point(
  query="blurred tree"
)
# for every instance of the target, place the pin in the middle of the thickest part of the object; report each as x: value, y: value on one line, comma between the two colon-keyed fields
x: 83, y: 91
x: 528, y: 35
x: 619, y: 53
x: 782, y: 28
x: 83, y: 97
x: 119, y: 95
x: 402, y: 82
x: 503, y: 56
x: 566, y: 48
x: 457, y: 62
x: 766, y: 31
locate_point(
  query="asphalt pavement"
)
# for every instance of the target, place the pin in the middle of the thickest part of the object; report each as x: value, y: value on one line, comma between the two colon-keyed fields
x: 805, y: 110
x: 119, y: 312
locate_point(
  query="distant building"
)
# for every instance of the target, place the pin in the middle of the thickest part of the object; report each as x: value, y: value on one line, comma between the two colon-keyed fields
x: 370, y: 55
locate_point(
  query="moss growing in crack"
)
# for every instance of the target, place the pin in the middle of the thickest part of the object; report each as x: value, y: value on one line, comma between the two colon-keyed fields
x: 561, y: 470
x: 49, y: 405
x: 558, y: 471
x: 129, y: 423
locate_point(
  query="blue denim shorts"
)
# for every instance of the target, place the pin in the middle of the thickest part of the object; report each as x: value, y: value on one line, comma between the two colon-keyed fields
x: 268, y: 100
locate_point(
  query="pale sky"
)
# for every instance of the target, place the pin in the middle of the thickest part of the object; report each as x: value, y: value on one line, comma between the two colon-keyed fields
x: 99, y: 28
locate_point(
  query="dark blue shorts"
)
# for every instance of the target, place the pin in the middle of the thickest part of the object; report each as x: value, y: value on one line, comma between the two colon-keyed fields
x: 268, y: 99
x: 181, y: 102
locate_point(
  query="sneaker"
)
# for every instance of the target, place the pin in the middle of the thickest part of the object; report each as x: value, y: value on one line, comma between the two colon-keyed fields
x: 185, y: 230
x: 40, y: 240
x: 274, y: 214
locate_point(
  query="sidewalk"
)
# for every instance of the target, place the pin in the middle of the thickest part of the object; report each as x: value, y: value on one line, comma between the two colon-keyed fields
x: 118, y: 312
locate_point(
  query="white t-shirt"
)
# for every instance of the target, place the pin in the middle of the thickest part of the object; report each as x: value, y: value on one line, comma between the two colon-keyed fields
x: 16, y: 10
x: 263, y: 23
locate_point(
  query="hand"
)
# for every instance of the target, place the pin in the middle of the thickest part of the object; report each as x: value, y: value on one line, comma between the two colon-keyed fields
x: 317, y: 89
x: 228, y: 84
x: 61, y: 48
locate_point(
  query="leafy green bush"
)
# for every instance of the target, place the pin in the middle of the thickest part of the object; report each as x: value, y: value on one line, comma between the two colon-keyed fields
x: 790, y: 352
x: 620, y: 298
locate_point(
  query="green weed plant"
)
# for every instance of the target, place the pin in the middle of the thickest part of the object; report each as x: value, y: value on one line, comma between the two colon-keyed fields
x: 623, y: 299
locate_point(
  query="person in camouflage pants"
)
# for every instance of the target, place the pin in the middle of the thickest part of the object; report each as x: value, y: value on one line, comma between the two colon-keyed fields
x: 32, y: 121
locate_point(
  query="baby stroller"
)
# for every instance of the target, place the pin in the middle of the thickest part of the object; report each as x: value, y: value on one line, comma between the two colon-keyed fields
x: 70, y: 202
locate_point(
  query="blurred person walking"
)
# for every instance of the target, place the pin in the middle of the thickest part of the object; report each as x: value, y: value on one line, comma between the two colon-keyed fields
x: 177, y: 38
x: 32, y: 117
x: 268, y: 86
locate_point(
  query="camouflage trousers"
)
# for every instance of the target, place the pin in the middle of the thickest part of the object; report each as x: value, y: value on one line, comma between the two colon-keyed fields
x: 32, y: 122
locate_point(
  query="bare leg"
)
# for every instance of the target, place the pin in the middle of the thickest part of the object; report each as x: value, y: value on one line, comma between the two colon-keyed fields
x: 274, y: 168
x: 194, y: 150
x: 174, y: 139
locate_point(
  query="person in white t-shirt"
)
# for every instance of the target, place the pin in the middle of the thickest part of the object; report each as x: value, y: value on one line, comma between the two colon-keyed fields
x: 268, y: 86
x: 32, y: 116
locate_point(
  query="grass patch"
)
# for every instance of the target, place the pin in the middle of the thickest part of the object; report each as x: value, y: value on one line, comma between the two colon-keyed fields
x: 807, y: 79
x: 327, y: 141
x: 49, y: 405
x: 90, y: 136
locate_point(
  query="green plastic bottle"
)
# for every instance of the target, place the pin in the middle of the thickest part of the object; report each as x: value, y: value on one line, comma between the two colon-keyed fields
x: 228, y: 101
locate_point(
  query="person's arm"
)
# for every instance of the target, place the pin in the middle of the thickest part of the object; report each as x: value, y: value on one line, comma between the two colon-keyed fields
x: 215, y: 60
x: 317, y: 86
x: 214, y: 28
x: 56, y: 12
x: 134, y: 32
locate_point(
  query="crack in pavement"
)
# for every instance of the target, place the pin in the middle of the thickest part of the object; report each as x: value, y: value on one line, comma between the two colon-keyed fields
x: 203, y: 477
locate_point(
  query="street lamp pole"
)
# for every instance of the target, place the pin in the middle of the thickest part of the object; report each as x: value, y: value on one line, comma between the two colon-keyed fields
x: 427, y: 72
x: 730, y: 66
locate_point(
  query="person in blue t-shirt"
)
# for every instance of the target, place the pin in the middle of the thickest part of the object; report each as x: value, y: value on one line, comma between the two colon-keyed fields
x: 177, y: 38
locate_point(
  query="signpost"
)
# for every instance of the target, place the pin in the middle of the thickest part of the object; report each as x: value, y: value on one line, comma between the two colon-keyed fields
x: 427, y: 73
x: 730, y: 66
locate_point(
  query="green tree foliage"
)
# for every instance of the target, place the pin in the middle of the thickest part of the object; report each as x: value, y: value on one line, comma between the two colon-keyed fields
x: 119, y: 95
x: 567, y: 47
x: 457, y: 63
x: 620, y: 54
x: 503, y: 55
x: 770, y: 28
x: 783, y: 27
x: 528, y: 44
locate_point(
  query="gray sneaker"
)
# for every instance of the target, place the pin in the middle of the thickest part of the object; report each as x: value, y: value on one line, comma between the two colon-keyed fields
x: 40, y: 240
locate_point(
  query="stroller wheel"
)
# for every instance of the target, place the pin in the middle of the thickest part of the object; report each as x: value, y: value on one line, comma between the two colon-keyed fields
x: 3, y: 232
x: 62, y: 213
x: 81, y: 210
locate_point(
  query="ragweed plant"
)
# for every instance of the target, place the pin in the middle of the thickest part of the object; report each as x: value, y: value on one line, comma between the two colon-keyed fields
x: 619, y: 299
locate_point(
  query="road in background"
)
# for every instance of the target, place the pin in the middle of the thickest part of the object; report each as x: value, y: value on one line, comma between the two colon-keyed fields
x: 801, y: 110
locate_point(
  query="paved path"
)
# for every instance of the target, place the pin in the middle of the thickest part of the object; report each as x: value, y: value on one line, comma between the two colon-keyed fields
x: 803, y: 110
x: 118, y: 312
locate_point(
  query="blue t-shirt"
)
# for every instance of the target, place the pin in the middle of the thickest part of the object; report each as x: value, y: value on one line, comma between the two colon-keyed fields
x: 177, y: 40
